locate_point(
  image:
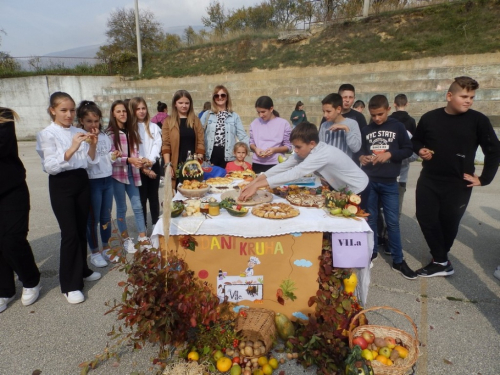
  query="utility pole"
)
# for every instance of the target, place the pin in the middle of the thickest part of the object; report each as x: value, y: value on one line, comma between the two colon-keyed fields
x: 138, y: 35
x: 366, y: 8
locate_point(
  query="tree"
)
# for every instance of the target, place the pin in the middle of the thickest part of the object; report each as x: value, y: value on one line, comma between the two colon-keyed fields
x: 285, y: 12
x: 216, y: 19
x: 260, y: 16
x: 171, y: 42
x: 121, y: 31
x: 190, y: 36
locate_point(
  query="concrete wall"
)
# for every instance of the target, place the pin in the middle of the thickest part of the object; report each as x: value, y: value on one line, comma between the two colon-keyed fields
x: 424, y: 81
x: 29, y: 97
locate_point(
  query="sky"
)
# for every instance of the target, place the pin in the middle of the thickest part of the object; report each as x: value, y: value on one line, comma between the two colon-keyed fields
x: 36, y: 28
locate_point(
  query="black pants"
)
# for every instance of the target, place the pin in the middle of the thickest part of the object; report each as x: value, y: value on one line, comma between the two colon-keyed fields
x: 70, y: 199
x: 149, y: 191
x: 259, y: 168
x: 15, y: 251
x: 440, y: 207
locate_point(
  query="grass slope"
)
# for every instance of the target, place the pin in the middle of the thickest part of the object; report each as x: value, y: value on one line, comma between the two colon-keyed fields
x: 461, y: 27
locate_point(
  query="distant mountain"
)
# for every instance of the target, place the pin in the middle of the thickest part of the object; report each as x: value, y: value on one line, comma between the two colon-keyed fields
x: 86, y: 51
x: 90, y: 51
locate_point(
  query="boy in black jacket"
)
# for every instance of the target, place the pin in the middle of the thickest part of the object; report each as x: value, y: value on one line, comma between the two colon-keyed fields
x: 447, y: 140
x: 385, y: 145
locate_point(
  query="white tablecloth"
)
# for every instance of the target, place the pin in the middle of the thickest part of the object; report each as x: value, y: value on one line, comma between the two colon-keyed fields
x: 250, y: 226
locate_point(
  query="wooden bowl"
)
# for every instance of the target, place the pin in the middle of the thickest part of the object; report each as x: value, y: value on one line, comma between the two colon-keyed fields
x: 193, y: 193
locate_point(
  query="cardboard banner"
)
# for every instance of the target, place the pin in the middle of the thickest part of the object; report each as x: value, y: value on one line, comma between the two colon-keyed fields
x: 351, y: 250
x: 257, y: 272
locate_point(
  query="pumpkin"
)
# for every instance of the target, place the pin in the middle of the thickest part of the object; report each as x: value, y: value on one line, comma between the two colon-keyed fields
x: 191, y: 170
x: 350, y: 283
x: 284, y: 326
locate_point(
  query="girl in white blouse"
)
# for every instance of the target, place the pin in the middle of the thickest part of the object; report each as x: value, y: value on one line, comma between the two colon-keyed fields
x: 66, y: 152
x: 101, y: 185
x: 149, y: 149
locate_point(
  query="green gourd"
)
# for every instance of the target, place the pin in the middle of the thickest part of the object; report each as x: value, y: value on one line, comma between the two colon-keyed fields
x: 284, y: 326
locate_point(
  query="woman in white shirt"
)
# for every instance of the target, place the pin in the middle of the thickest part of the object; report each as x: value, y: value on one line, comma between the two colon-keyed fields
x: 66, y: 153
x: 101, y: 184
x: 149, y: 149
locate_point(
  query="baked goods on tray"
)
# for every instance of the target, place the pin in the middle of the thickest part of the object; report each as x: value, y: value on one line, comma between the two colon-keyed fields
x: 306, y: 200
x: 275, y: 211
x: 242, y: 175
x: 219, y: 181
x: 261, y: 196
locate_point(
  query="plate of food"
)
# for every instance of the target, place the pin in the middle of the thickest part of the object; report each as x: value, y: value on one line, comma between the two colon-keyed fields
x: 246, y: 175
x: 261, y: 196
x: 275, y: 211
x: 306, y: 200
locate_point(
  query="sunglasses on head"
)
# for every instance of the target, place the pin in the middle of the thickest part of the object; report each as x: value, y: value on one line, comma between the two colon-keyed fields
x: 221, y: 96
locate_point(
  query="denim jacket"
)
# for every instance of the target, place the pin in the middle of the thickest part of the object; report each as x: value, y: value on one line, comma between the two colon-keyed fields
x: 234, y: 129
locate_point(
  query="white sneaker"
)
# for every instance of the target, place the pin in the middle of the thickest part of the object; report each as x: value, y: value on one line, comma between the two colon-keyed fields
x: 497, y: 273
x: 162, y: 181
x: 30, y: 295
x: 74, y: 297
x: 98, y: 260
x: 95, y: 276
x: 4, y: 302
x: 144, y: 243
x: 129, y: 246
x: 110, y: 258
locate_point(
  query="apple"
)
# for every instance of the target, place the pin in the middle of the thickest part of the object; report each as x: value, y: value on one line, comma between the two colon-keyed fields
x: 218, y: 355
x: 236, y: 360
x: 368, y: 336
x: 385, y: 351
x: 361, y: 342
x: 390, y: 342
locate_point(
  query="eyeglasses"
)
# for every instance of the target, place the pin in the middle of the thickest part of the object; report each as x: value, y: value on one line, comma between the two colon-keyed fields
x: 220, y: 96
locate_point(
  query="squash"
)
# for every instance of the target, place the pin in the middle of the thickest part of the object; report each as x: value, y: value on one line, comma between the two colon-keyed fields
x: 284, y: 326
x: 191, y: 170
x: 350, y: 283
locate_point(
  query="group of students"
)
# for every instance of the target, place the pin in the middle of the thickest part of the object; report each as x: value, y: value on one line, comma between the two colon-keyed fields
x: 89, y: 166
x: 373, y: 160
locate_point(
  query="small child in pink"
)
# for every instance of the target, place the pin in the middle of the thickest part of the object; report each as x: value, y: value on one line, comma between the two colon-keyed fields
x: 241, y: 151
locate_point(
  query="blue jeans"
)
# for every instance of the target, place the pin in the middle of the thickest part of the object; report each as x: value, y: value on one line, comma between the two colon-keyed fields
x: 101, y: 203
x: 132, y: 191
x: 388, y: 194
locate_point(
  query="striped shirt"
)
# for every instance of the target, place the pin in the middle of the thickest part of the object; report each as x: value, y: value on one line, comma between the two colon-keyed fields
x: 120, y: 166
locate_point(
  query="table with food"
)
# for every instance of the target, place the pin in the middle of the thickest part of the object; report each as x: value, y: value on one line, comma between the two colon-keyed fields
x: 278, y: 229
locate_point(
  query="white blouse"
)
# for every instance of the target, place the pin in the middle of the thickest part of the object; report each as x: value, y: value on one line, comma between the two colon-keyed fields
x: 104, y: 168
x: 51, y: 144
x: 150, y: 148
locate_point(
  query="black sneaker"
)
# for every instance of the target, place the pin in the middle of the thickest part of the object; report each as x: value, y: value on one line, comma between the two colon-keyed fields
x: 374, y: 256
x: 404, y: 270
x: 436, y: 269
x: 387, y: 251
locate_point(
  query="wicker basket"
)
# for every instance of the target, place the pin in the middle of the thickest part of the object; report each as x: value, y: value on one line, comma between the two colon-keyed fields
x: 257, y: 325
x: 410, y: 342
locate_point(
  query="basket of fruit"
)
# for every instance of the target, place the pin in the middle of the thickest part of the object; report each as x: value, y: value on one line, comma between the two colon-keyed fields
x: 391, y: 351
x: 258, y: 330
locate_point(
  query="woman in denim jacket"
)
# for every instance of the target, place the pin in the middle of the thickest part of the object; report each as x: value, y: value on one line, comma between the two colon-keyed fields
x: 223, y: 128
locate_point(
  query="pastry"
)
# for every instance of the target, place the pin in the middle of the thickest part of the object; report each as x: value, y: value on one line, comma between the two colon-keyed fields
x: 306, y: 200
x: 275, y: 211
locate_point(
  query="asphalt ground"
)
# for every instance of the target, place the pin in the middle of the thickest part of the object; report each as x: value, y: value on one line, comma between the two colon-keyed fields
x: 457, y: 317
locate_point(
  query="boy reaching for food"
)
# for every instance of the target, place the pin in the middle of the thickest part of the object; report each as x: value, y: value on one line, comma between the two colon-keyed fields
x: 311, y: 156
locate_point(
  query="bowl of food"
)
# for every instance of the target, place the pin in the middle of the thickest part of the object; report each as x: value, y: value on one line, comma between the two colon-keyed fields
x: 193, y: 189
x: 177, y: 208
x: 237, y: 210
